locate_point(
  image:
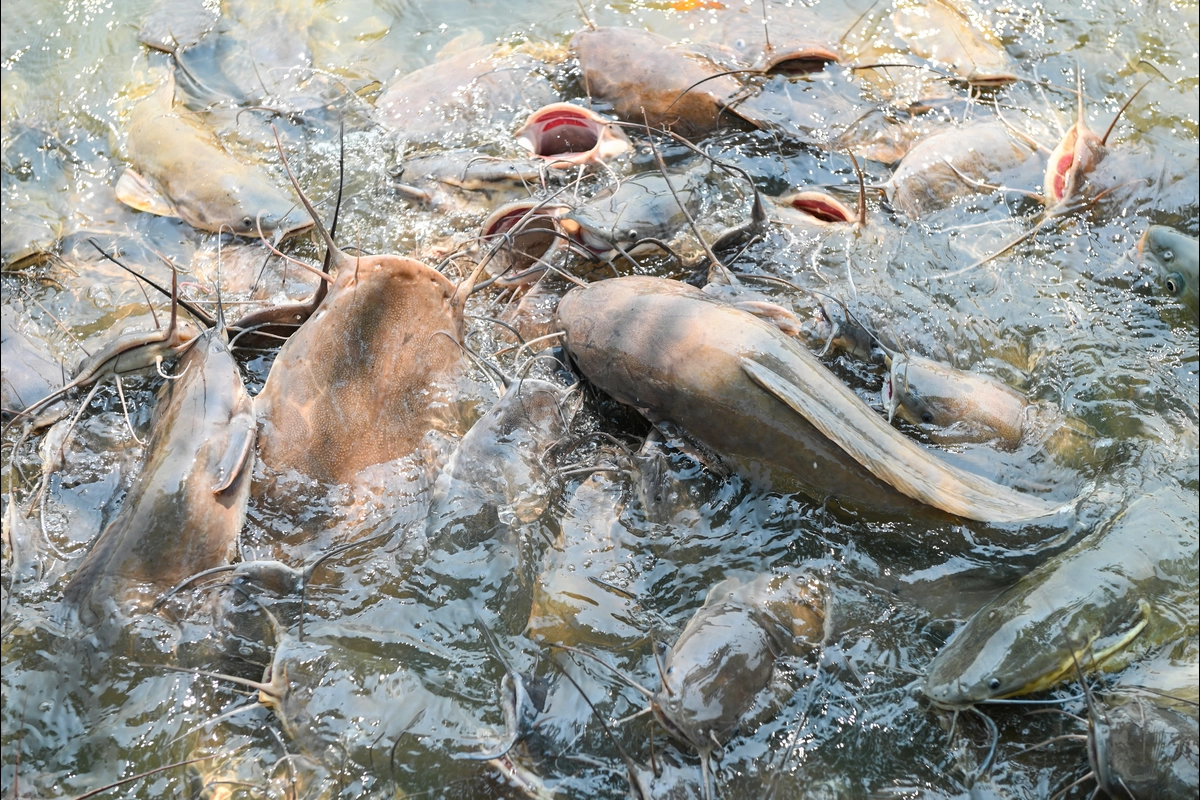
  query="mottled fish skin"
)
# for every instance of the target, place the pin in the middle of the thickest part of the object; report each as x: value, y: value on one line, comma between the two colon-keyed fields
x: 1080, y: 607
x: 1176, y: 260
x: 759, y: 398
x: 185, y: 509
x: 177, y: 156
x: 355, y: 386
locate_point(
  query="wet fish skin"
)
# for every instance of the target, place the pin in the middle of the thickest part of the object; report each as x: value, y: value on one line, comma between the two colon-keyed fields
x: 1176, y: 260
x: 30, y: 372
x: 645, y: 78
x: 351, y: 388
x: 925, y: 181
x: 498, y: 462
x: 185, y: 509
x: 481, y: 85
x: 1080, y: 607
x: 642, y: 207
x: 1140, y: 747
x: 177, y: 156
x: 726, y: 654
x: 749, y: 392
x: 952, y: 32
x: 954, y: 405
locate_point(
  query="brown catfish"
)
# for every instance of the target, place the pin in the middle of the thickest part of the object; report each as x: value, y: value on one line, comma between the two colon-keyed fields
x: 646, y: 78
x: 756, y: 396
x: 355, y: 386
x: 180, y: 169
x: 185, y: 510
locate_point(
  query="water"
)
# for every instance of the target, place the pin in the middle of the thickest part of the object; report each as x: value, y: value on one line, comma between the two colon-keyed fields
x: 392, y: 681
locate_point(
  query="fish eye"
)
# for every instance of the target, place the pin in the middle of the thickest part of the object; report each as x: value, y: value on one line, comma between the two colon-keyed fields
x: 248, y: 222
x: 1172, y: 286
x: 994, y: 684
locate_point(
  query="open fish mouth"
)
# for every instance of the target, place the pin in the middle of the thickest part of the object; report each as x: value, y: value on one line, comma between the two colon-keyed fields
x: 823, y: 208
x: 802, y: 60
x: 534, y: 237
x: 565, y: 134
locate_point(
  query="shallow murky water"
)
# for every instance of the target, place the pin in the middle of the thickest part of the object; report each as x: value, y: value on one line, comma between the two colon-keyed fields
x: 393, y: 687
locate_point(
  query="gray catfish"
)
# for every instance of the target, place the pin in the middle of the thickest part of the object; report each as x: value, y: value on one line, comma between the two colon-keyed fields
x: 953, y: 406
x: 759, y: 398
x: 180, y: 169
x: 185, y: 509
x: 930, y: 177
x: 1176, y: 260
x: 1080, y: 609
x: 726, y: 656
x: 499, y: 461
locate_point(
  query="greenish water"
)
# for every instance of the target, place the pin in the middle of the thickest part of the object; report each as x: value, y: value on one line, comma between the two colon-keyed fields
x: 394, y: 683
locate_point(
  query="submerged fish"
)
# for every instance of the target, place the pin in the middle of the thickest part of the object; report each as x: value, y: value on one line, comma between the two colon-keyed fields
x: 727, y: 652
x: 954, y: 33
x: 799, y: 40
x: 930, y: 176
x: 580, y: 597
x: 757, y: 397
x: 1076, y: 611
x: 954, y: 406
x: 180, y: 169
x: 498, y: 463
x: 185, y: 510
x: 1143, y: 747
x: 30, y: 371
x: 444, y: 102
x: 1176, y: 260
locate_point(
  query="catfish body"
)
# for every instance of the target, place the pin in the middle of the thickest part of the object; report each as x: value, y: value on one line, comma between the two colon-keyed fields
x: 181, y: 169
x: 754, y: 395
x: 1080, y: 608
x: 355, y: 386
x: 185, y: 509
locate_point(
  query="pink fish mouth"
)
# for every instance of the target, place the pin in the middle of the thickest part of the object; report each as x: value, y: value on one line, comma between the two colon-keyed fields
x: 565, y: 134
x: 532, y: 237
x: 822, y: 208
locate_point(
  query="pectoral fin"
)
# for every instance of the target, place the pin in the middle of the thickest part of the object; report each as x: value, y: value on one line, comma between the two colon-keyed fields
x: 892, y: 458
x: 238, y: 453
x: 136, y: 192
